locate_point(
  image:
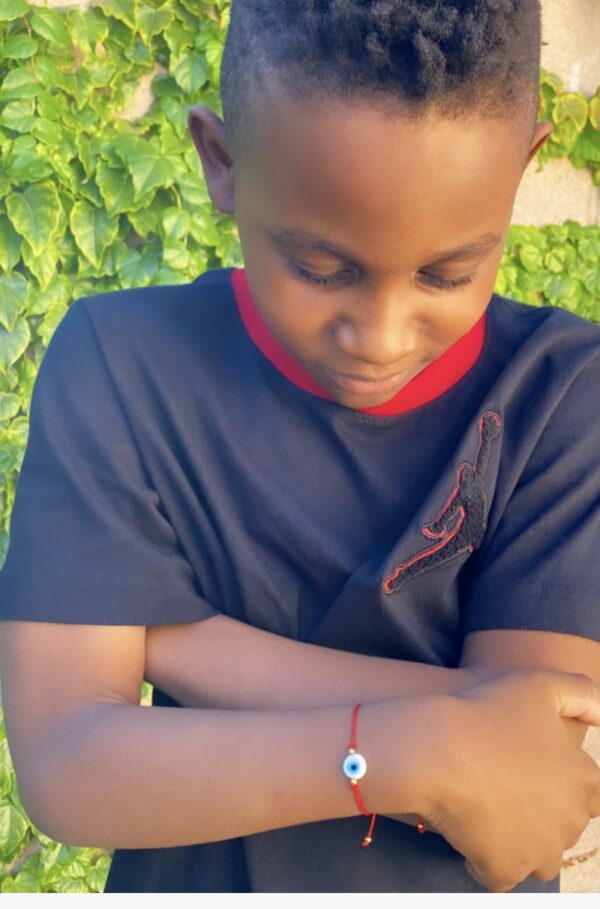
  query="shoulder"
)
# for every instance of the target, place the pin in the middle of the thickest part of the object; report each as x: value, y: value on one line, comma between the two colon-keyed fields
x: 158, y: 324
x: 160, y: 307
x: 545, y: 339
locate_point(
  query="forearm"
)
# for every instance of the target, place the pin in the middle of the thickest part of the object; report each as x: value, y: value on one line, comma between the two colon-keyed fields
x: 223, y: 663
x: 132, y: 777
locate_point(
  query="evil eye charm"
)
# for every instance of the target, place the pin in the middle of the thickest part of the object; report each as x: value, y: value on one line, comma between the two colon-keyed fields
x: 354, y: 766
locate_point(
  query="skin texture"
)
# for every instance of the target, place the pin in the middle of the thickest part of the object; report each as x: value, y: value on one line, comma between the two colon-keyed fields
x: 398, y: 194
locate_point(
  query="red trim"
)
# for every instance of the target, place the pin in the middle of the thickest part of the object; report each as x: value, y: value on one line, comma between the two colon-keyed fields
x: 436, y: 378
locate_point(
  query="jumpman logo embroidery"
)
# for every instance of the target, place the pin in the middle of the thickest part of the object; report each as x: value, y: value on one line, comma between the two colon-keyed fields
x: 466, y: 506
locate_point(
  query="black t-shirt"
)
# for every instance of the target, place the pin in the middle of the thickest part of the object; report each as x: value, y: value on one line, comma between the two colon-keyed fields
x: 180, y: 465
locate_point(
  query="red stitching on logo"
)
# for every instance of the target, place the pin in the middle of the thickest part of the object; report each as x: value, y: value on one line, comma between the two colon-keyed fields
x: 467, y: 506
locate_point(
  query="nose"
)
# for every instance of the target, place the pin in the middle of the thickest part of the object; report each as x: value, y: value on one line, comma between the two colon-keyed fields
x: 380, y: 332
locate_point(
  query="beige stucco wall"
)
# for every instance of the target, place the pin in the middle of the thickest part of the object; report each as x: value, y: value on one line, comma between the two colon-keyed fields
x: 571, y: 30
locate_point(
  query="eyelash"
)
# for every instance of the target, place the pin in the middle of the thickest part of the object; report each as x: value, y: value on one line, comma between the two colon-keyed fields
x: 338, y: 277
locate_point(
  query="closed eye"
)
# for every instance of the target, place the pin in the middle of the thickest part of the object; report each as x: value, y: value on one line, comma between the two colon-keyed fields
x: 346, y: 273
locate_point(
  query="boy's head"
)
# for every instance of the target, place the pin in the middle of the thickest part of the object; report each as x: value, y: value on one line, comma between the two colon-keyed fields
x: 396, y: 131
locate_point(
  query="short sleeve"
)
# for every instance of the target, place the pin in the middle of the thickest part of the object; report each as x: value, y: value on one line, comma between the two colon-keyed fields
x: 541, y: 568
x: 89, y: 541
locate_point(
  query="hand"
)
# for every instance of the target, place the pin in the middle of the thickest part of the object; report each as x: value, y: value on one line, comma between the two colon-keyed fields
x: 514, y: 787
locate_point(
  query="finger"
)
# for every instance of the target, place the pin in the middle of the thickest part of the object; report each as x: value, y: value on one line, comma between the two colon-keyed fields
x: 548, y: 872
x: 495, y: 886
x: 594, y: 806
x: 580, y: 698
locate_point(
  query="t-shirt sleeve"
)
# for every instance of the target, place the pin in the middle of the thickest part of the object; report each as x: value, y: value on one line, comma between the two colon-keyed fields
x: 540, y: 570
x: 89, y: 541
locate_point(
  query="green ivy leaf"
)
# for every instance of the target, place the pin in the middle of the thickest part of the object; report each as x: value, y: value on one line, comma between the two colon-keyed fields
x: 13, y: 9
x: 189, y: 71
x: 27, y: 372
x: 558, y: 289
x: 25, y: 882
x: 96, y: 878
x: 18, y: 115
x: 13, y: 299
x: 35, y: 214
x: 28, y: 167
x: 19, y: 47
x: 43, y: 266
x: 116, y: 189
x: 176, y: 223
x: 163, y: 85
x: 19, y: 83
x: 140, y: 55
x: 176, y: 256
x: 152, y: 21
x: 570, y: 106
x: 50, y: 24
x: 60, y: 290
x: 123, y: 10
x: 588, y: 144
x: 551, y: 79
x: 48, y: 72
x: 595, y: 112
x: 589, y: 248
x: 48, y: 132
x: 148, y: 167
x: 13, y: 827
x: 93, y: 230
x: 7, y: 774
x: 563, y: 138
x: 51, y: 321
x: 135, y: 269
x: 178, y: 38
x: 531, y: 257
x: 193, y: 189
x: 13, y: 345
x: 144, y: 221
x: 10, y: 244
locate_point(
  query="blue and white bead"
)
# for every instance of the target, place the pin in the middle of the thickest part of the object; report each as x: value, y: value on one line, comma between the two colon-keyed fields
x: 354, y: 766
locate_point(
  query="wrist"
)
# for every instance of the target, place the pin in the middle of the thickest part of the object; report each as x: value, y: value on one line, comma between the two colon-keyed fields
x: 400, y: 740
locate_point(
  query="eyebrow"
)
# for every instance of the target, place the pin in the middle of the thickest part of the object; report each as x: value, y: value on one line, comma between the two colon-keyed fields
x: 312, y: 242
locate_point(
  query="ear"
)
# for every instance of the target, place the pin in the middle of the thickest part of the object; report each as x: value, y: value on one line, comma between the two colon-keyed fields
x: 208, y: 132
x: 541, y: 134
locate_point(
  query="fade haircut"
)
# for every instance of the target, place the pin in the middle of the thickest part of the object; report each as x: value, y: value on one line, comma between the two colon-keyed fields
x: 461, y: 57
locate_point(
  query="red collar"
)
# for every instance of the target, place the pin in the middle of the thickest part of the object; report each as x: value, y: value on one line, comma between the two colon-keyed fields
x: 436, y: 378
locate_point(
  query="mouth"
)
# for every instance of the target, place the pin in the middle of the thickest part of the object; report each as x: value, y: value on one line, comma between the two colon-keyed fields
x: 366, y: 386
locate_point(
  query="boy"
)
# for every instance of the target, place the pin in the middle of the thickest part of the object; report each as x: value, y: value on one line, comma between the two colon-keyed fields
x: 350, y: 443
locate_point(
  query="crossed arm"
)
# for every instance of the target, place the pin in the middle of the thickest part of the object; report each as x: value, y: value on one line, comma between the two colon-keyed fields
x: 223, y: 663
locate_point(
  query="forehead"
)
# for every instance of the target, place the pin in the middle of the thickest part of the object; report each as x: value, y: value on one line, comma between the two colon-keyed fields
x: 362, y: 176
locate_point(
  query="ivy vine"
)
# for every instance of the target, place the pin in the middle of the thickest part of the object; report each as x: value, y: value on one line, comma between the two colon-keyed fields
x: 576, y: 125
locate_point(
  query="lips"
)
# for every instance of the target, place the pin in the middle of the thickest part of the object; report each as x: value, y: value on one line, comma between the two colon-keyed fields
x: 366, y: 386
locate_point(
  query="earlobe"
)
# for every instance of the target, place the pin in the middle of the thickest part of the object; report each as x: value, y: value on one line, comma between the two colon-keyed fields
x: 541, y: 134
x: 208, y: 133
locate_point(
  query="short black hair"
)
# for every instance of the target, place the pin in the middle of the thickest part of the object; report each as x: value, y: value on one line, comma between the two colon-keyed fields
x: 480, y: 56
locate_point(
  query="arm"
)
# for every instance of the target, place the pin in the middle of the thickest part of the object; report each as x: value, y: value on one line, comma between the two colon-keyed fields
x: 95, y: 768
x: 223, y: 663
x: 207, y: 664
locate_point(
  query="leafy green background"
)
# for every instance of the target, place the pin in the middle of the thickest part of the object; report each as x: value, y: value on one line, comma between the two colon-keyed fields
x: 91, y: 202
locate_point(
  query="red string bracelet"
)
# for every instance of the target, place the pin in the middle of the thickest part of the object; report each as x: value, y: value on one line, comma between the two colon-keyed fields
x: 355, y: 767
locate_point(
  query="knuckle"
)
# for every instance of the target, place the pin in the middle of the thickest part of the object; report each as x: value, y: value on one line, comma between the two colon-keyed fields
x: 587, y: 685
x: 548, y: 873
x: 498, y: 881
